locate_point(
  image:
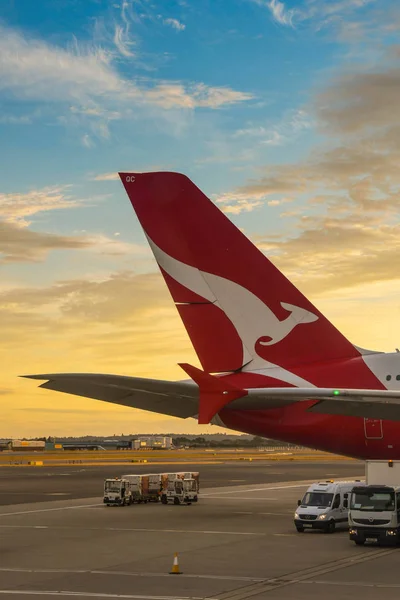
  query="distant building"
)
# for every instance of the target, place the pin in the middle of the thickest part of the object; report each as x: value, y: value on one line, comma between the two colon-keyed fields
x: 155, y: 442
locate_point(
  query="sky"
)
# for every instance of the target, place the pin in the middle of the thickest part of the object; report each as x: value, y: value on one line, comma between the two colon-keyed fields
x: 286, y: 114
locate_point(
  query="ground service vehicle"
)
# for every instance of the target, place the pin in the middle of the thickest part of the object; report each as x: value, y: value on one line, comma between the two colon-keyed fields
x: 166, y: 477
x: 324, y: 506
x: 154, y: 487
x: 139, y: 487
x: 284, y: 371
x: 180, y: 491
x: 117, y: 492
x: 374, y: 514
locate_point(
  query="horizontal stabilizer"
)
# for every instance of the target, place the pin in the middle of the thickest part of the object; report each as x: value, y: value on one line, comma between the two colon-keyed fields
x: 172, y: 398
x: 215, y: 392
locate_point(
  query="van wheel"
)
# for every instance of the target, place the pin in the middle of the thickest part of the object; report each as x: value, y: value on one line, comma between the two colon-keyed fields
x: 176, y: 501
x: 331, y: 527
x: 164, y: 500
x: 300, y: 529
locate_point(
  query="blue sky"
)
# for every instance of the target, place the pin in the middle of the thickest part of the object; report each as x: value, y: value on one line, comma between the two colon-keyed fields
x: 285, y: 113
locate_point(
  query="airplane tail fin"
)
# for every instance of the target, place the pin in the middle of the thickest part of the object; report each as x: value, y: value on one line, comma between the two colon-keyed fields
x: 237, y: 307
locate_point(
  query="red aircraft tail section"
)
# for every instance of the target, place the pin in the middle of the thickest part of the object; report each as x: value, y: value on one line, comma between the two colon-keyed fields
x: 237, y: 307
x: 214, y: 392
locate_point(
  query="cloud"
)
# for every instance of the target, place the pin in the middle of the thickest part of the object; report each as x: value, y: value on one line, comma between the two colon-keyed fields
x: 345, y: 192
x: 292, y: 124
x: 121, y: 42
x: 17, y: 207
x: 346, y: 19
x: 337, y: 252
x: 106, y: 177
x: 360, y: 101
x: 280, y: 13
x: 122, y: 310
x: 236, y: 203
x: 87, y: 141
x: 170, y: 95
x: 279, y: 202
x: 103, y: 244
x: 32, y: 69
x: 86, y: 79
x: 19, y: 244
x: 15, y: 120
x: 175, y: 24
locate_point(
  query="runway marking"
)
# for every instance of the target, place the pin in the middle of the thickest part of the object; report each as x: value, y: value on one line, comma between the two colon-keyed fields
x: 304, y: 576
x: 276, y: 514
x: 240, y: 499
x: 127, y: 574
x: 263, y: 489
x: 354, y: 583
x: 96, y: 595
x: 137, y: 530
x: 40, y: 510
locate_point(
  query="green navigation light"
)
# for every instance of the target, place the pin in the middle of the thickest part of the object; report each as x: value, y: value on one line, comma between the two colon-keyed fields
x: 336, y: 392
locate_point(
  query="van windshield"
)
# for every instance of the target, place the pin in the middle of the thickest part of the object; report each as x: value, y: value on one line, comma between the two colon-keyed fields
x: 372, y: 500
x: 317, y: 499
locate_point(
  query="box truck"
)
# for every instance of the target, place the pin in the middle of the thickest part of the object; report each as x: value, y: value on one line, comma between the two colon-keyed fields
x: 374, y: 514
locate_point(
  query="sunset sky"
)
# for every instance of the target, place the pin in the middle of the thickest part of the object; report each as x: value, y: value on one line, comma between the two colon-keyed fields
x: 286, y: 114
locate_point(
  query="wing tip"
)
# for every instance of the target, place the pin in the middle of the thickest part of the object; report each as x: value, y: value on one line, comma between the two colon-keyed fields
x: 38, y: 377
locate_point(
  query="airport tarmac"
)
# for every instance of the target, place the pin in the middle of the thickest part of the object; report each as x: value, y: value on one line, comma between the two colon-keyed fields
x: 237, y: 542
x: 20, y: 485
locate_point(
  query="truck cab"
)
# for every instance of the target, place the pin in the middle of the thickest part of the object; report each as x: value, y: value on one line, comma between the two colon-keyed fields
x: 117, y: 492
x: 374, y: 514
x: 324, y: 506
x: 181, y: 491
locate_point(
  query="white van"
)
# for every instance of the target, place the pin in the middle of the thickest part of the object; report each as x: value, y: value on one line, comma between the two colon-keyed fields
x: 324, y: 506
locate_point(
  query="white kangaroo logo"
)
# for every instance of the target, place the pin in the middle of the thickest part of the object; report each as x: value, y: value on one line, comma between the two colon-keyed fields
x: 244, y: 309
x: 278, y: 330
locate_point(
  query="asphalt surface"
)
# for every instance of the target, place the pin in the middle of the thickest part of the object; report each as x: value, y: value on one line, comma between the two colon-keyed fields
x: 21, y: 485
x: 237, y: 542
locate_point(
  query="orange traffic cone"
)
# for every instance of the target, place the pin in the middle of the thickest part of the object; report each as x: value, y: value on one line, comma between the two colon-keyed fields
x: 175, y: 566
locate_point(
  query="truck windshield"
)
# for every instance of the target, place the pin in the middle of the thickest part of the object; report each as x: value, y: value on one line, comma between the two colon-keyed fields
x: 372, y: 500
x: 317, y: 499
x: 112, y: 486
x: 190, y: 485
